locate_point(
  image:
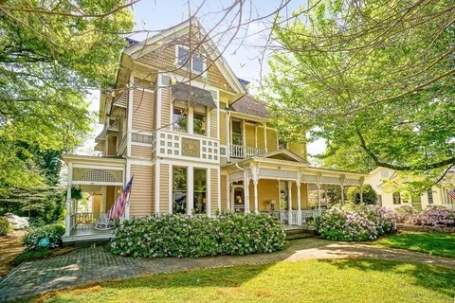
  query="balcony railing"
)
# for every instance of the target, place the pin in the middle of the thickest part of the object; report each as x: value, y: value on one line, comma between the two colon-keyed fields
x: 240, y: 151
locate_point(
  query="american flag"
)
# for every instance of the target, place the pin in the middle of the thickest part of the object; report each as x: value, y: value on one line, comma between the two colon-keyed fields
x: 452, y: 194
x: 118, y: 209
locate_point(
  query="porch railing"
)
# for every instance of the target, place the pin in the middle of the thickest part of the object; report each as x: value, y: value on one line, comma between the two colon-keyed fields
x: 84, y: 220
x: 240, y: 151
x: 295, y: 217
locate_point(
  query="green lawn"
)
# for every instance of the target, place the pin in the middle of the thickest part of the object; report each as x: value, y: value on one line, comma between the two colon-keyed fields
x: 438, y: 244
x: 347, y: 281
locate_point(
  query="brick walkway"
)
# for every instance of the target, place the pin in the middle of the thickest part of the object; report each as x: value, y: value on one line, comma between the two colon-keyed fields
x: 91, y: 265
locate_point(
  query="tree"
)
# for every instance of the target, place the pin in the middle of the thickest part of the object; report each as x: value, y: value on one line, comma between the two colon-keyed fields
x: 374, y: 79
x: 368, y: 193
x: 51, y: 54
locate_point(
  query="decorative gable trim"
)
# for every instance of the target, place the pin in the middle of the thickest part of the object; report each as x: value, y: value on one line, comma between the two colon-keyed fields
x: 140, y: 49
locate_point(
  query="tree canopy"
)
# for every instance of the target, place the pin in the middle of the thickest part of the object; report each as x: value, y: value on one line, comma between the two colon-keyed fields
x: 375, y: 79
x: 51, y: 54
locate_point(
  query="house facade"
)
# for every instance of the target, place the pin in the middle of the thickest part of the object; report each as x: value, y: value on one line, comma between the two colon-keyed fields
x: 185, y: 128
x: 386, y: 184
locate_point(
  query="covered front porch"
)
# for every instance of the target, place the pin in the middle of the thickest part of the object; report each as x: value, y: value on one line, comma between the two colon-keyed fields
x: 93, y: 185
x: 285, y: 186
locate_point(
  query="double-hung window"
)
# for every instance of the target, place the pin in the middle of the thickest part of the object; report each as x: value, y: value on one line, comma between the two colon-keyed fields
x: 179, y: 190
x: 196, y: 62
x: 200, y: 191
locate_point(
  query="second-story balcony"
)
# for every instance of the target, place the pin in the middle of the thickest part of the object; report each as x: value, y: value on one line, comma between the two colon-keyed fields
x: 242, y: 152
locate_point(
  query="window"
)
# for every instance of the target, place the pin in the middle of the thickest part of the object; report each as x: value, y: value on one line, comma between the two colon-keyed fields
x: 197, y: 61
x: 237, y: 132
x: 199, y: 122
x: 197, y: 64
x: 200, y: 191
x: 180, y: 119
x: 430, y: 196
x: 179, y: 190
x: 396, y: 198
x: 379, y: 200
x: 182, y: 56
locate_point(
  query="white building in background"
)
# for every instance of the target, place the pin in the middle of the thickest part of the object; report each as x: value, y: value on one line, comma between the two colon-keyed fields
x: 381, y: 180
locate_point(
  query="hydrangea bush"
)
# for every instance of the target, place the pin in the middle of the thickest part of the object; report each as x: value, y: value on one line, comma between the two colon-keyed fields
x: 47, y: 236
x: 356, y: 223
x: 435, y: 216
x: 405, y: 213
x: 197, y: 236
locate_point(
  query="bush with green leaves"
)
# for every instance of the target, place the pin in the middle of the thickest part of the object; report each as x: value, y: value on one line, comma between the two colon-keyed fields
x: 405, y: 213
x: 356, y: 223
x: 47, y: 236
x: 197, y: 236
x: 5, y: 227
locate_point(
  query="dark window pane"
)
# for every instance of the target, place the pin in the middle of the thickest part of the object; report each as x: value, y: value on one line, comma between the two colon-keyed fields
x: 199, y: 123
x: 198, y: 64
x: 183, y: 54
x: 179, y: 119
x: 200, y: 191
x: 179, y: 190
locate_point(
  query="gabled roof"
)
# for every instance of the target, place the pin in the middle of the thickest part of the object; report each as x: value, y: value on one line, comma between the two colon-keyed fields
x: 284, y: 154
x: 139, y: 49
x: 247, y: 104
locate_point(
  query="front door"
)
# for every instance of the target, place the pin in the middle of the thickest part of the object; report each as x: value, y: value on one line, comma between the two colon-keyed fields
x: 238, y: 198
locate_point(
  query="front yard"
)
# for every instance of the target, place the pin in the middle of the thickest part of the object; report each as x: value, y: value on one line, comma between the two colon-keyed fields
x: 361, y: 280
x: 434, y: 243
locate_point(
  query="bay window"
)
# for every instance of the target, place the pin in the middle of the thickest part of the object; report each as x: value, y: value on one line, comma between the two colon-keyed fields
x: 180, y: 118
x: 200, y: 120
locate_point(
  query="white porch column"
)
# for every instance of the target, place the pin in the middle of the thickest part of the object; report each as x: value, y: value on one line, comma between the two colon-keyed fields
x: 190, y: 126
x: 342, y: 189
x: 318, y: 188
x: 69, y: 210
x: 255, y: 175
x: 246, y: 191
x: 228, y: 137
x: 299, y: 200
x: 190, y: 190
x: 290, y: 202
x: 265, y: 137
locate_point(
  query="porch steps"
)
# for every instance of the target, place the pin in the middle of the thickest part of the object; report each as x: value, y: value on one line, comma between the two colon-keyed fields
x: 299, y: 233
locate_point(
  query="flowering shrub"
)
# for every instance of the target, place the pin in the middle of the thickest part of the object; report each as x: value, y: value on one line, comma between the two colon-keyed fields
x: 405, y: 213
x: 197, y: 236
x: 47, y: 236
x: 435, y: 216
x: 356, y: 223
x: 4, y: 226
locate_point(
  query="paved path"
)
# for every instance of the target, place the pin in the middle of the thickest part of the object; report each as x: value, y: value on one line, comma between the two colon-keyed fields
x: 10, y: 247
x: 91, y: 265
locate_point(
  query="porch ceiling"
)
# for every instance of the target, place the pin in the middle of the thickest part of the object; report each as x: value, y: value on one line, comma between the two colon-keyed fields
x: 91, y: 170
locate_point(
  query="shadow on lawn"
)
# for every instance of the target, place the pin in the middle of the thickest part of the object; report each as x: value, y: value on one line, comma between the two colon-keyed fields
x: 432, y: 277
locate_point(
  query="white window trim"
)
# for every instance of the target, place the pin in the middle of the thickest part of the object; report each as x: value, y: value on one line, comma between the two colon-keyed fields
x: 177, y: 64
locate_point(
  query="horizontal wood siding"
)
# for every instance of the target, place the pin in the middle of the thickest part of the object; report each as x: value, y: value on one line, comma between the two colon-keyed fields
x: 164, y: 188
x: 142, y: 152
x: 224, y: 190
x: 142, y: 191
x: 260, y: 134
x: 298, y: 148
x: 272, y: 142
x: 213, y: 124
x: 214, y: 190
x: 143, y: 110
x: 249, y: 135
x: 223, y: 130
x: 165, y: 107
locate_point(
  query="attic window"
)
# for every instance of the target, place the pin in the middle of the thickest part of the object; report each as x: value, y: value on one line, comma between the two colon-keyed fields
x: 197, y: 61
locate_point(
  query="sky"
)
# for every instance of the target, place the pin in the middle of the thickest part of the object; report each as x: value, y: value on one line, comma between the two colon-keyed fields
x: 243, y: 53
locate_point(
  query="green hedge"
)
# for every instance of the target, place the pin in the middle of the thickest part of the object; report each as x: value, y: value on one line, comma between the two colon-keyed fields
x: 4, y: 226
x: 47, y: 236
x: 197, y: 236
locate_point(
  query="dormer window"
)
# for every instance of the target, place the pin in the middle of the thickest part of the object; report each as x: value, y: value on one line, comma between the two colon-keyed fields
x: 197, y: 61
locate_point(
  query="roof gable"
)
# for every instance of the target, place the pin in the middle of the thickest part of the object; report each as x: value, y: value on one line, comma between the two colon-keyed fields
x: 171, y: 35
x: 284, y: 154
